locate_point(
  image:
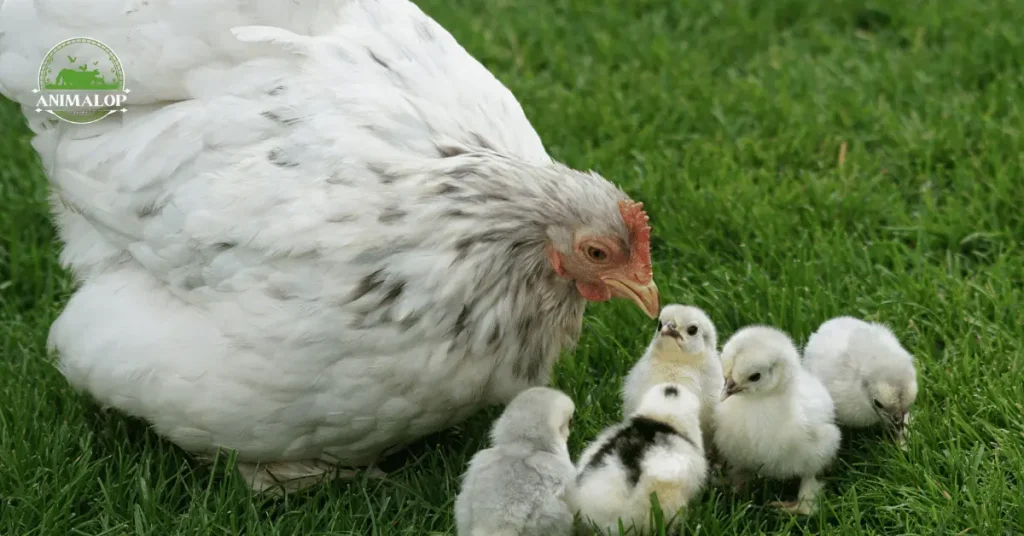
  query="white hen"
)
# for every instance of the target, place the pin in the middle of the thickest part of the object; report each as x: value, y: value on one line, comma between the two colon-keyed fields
x: 869, y: 374
x: 321, y: 231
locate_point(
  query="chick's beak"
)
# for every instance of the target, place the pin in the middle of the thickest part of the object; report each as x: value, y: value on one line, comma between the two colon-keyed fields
x: 669, y: 330
x: 897, y: 421
x: 645, y: 295
x: 730, y: 389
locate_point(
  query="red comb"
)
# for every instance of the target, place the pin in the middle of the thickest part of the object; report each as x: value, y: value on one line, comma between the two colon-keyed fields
x: 639, y: 236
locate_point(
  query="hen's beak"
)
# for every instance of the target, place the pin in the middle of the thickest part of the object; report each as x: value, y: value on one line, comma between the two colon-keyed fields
x: 644, y: 295
x: 730, y: 389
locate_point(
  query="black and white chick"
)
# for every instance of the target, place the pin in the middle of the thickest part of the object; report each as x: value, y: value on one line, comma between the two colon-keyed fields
x: 869, y: 374
x: 657, y: 449
x: 776, y: 419
x: 684, y: 350
x: 517, y: 487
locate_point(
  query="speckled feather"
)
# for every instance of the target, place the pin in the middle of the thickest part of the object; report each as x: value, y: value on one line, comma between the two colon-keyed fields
x: 317, y: 234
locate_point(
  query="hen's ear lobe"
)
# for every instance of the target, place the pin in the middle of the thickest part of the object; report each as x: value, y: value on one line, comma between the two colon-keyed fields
x: 555, y: 258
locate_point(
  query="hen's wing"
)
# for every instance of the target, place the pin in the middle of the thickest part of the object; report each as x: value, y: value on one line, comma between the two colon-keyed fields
x: 256, y: 123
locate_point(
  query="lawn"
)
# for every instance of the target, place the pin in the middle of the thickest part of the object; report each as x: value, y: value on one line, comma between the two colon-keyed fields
x: 799, y: 160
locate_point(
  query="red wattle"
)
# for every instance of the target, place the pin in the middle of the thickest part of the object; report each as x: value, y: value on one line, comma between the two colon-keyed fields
x: 594, y: 291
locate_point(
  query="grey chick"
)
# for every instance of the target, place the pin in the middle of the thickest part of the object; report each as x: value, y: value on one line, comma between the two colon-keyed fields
x: 869, y: 374
x: 517, y: 487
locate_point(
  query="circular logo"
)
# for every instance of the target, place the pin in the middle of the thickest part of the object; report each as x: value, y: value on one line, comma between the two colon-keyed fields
x: 81, y: 81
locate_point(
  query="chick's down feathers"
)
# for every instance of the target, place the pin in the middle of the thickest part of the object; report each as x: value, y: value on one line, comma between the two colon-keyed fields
x: 657, y: 449
x: 683, y: 350
x: 776, y: 420
x: 869, y: 374
x: 517, y: 487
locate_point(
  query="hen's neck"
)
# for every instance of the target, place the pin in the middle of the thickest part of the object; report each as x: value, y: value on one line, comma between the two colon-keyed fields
x: 496, y: 216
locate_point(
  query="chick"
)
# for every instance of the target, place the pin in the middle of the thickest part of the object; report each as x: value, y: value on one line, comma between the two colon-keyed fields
x: 658, y: 449
x: 517, y: 487
x: 775, y: 419
x: 870, y: 376
x: 684, y: 350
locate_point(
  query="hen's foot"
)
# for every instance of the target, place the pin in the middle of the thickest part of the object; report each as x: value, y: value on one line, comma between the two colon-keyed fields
x: 279, y: 478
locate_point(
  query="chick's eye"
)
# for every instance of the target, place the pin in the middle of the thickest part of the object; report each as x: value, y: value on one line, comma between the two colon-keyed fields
x: 596, y: 254
x: 878, y: 404
x: 691, y: 331
x: 660, y: 325
x: 754, y: 377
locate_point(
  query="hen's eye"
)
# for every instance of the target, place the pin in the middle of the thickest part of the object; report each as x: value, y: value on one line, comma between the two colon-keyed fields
x: 754, y: 377
x: 596, y: 254
x: 691, y: 331
x: 878, y: 404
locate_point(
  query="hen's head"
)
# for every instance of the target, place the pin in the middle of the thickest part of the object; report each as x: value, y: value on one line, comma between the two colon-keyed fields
x: 609, y: 257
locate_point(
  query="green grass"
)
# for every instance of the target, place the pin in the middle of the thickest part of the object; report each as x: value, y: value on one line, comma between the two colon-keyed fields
x: 727, y: 118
